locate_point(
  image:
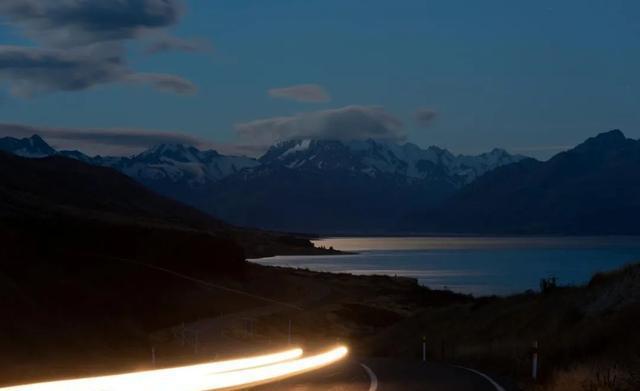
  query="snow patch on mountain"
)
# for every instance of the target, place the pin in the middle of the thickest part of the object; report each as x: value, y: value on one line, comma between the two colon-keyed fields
x: 180, y: 163
x: 32, y: 147
x: 302, y: 145
x: 374, y: 158
x: 183, y: 164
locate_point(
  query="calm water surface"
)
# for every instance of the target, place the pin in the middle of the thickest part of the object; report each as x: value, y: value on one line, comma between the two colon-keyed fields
x: 477, y: 265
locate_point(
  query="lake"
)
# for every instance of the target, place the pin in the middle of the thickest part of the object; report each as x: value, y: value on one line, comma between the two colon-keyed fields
x: 476, y: 265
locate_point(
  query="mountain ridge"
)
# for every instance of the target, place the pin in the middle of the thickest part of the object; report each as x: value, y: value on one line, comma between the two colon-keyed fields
x: 373, y: 157
x: 326, y: 175
x: 593, y: 188
x: 371, y: 187
x: 334, y: 187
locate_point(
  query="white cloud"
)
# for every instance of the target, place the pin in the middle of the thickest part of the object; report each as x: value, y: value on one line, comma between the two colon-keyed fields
x: 346, y: 123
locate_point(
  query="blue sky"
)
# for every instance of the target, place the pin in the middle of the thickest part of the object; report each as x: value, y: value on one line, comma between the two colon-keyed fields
x: 532, y: 77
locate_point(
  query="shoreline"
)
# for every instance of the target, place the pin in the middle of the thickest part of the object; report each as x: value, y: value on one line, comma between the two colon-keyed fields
x: 452, y: 235
x: 481, y: 267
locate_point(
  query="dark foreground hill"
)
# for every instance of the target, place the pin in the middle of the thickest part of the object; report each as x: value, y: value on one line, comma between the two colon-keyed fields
x: 57, y: 187
x: 84, y: 254
x: 593, y: 188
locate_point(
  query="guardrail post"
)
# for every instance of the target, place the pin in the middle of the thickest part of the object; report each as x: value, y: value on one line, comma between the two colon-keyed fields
x: 534, y: 361
x: 424, y: 348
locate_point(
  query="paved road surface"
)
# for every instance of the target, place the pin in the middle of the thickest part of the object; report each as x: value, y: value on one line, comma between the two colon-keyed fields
x: 349, y: 375
x: 392, y: 375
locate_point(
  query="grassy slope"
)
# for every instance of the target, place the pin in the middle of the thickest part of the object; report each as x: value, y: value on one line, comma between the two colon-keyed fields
x: 575, y: 326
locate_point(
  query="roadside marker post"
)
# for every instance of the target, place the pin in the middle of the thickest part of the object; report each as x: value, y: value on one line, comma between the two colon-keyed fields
x: 534, y: 361
x: 153, y: 356
x: 289, y: 339
x: 424, y: 348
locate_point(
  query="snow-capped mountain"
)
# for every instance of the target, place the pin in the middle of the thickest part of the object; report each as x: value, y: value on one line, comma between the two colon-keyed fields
x: 177, y: 163
x: 169, y: 163
x: 375, y: 158
x: 298, y: 185
x: 177, y: 171
x: 181, y: 163
x: 33, y: 147
x: 344, y: 187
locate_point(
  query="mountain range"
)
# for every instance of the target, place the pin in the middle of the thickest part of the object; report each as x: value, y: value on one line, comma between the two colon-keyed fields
x: 593, y: 188
x: 298, y: 185
x: 372, y: 187
x: 343, y: 187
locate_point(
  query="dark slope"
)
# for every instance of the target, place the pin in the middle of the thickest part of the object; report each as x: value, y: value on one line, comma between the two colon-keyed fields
x: 62, y: 188
x: 336, y: 201
x: 81, y: 248
x: 56, y: 186
x: 591, y: 189
x: 78, y: 247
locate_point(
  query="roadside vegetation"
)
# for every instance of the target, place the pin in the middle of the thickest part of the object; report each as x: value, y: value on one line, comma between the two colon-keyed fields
x: 588, y: 335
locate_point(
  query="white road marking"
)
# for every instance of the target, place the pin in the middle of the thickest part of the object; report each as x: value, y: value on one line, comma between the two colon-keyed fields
x: 372, y: 376
x: 486, y: 377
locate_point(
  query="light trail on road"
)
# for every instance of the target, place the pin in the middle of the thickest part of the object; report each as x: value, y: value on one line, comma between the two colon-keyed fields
x: 140, y: 379
x: 209, y: 376
x: 270, y: 373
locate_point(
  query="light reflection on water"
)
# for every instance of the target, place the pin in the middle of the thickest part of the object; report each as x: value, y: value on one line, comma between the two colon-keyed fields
x: 477, y: 265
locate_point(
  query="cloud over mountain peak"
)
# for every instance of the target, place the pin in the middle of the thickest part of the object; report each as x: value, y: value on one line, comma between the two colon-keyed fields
x: 345, y: 123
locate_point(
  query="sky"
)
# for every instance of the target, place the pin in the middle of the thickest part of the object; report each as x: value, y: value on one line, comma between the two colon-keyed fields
x: 116, y: 77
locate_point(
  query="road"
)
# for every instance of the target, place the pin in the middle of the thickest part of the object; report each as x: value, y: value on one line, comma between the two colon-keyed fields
x: 347, y: 375
x: 391, y: 375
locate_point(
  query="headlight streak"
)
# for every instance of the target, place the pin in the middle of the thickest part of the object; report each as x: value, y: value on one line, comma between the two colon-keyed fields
x: 138, y: 380
x: 268, y: 373
x: 211, y: 376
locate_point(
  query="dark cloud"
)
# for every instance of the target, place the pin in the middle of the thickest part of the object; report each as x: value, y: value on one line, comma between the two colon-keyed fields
x: 31, y: 71
x: 34, y: 70
x: 346, y: 123
x: 81, y: 22
x: 302, y: 93
x: 165, y: 82
x: 82, y: 43
x: 102, y: 141
x: 425, y: 116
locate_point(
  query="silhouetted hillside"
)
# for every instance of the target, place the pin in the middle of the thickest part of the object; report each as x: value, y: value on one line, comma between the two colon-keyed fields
x: 56, y: 186
x: 92, y: 260
x: 312, y: 201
